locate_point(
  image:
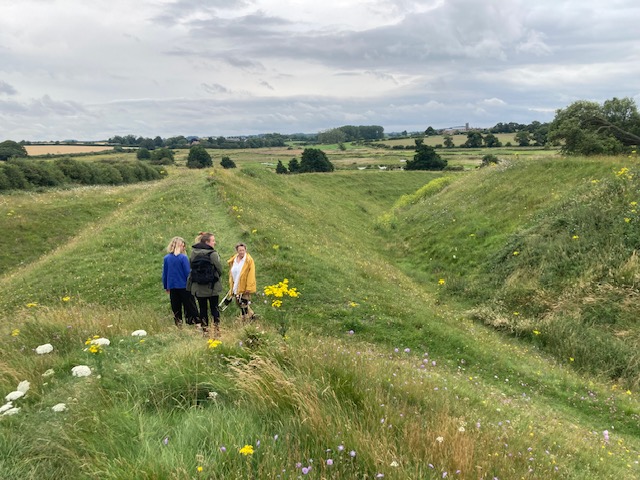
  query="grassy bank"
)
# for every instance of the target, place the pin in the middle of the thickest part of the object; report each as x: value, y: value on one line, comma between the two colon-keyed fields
x: 376, y: 361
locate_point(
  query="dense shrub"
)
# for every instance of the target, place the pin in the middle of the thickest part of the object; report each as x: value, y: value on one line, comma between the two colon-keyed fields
x: 143, y: 154
x: 162, y: 156
x: 314, y: 160
x: 76, y: 171
x: 15, y: 179
x: 280, y: 168
x: 199, y: 157
x: 40, y: 174
x: 226, y: 162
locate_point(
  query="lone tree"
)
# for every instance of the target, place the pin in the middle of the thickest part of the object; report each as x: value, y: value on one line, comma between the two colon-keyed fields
x: 425, y: 158
x: 280, y: 168
x: 9, y: 149
x: 314, y: 160
x: 199, y: 157
x: 294, y: 165
x: 588, y: 128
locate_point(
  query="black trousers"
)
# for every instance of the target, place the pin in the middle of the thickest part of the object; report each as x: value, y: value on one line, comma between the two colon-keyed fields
x: 181, y: 299
x: 213, y: 305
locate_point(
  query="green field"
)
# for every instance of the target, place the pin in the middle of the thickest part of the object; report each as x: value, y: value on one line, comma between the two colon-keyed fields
x: 410, y: 353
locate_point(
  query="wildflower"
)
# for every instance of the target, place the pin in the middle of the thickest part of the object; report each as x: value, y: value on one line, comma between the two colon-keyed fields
x: 10, y: 397
x: 101, y: 341
x: 605, y: 434
x: 95, y: 349
x: 353, y: 304
x: 223, y: 449
x: 571, y: 359
x: 329, y: 462
x: 627, y: 219
x: 23, y: 386
x: 15, y: 332
x: 213, y: 395
x: 6, y: 406
x: 407, y: 350
x: 32, y: 304
x: 275, y: 437
x: 380, y: 475
x: 340, y: 448
x: 575, y: 237
x: 139, y: 333
x: 49, y: 372
x: 214, y: 343
x: 81, y: 371
x: 165, y: 441
x: 12, y: 411
x: 441, y: 281
x: 43, y: 349
x: 199, y: 469
x: 352, y: 453
x: 66, y: 299
x: 516, y: 253
x: 276, y: 247
x: 461, y: 429
x: 59, y: 407
x: 394, y: 464
x: 305, y: 470
x: 276, y: 303
x: 254, y: 231
x: 246, y: 450
x: 536, y: 332
x: 440, y: 439
x: 444, y: 474
x: 350, y: 332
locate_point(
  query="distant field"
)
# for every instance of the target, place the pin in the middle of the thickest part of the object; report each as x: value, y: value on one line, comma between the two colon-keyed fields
x: 458, y: 139
x: 64, y: 149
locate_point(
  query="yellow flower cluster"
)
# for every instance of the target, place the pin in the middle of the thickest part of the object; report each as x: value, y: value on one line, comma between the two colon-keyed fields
x: 280, y: 290
x: 95, y: 349
x: 214, y: 343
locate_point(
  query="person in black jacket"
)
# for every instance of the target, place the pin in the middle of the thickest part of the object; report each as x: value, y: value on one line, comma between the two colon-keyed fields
x: 206, y: 294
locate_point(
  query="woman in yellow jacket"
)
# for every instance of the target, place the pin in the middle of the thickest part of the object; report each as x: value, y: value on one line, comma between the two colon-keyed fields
x: 242, y: 280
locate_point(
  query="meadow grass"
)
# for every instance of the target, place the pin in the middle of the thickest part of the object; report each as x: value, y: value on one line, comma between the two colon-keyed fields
x: 378, y: 359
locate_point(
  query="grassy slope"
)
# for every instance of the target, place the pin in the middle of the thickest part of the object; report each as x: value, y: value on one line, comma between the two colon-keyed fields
x: 319, y: 231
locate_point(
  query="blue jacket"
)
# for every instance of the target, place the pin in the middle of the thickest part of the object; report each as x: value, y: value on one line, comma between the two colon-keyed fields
x: 175, y: 271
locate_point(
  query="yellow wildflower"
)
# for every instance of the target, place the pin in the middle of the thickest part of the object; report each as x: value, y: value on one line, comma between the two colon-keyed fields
x: 441, y: 281
x: 66, y: 299
x: 536, y: 332
x: 214, y: 343
x: 246, y: 450
x: 32, y: 304
x: 15, y: 332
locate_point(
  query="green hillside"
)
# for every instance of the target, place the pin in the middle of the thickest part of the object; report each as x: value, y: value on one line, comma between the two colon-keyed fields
x: 377, y: 370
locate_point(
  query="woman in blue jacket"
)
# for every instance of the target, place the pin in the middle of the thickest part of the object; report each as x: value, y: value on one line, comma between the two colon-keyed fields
x: 175, y: 272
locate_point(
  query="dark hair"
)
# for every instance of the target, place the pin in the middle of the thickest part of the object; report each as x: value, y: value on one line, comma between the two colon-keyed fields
x: 205, y: 237
x: 240, y: 245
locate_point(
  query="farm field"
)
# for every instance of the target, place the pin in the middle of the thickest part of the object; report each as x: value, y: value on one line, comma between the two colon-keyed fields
x: 381, y: 368
x: 65, y: 149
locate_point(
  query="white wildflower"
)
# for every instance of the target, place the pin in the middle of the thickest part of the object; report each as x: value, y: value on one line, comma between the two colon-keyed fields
x: 42, y: 349
x: 394, y: 464
x: 59, y: 407
x: 12, y: 411
x: 6, y: 407
x: 49, y: 372
x: 139, y: 333
x: 440, y: 439
x: 101, y: 341
x: 213, y: 395
x: 14, y: 396
x: 81, y: 371
x: 23, y: 386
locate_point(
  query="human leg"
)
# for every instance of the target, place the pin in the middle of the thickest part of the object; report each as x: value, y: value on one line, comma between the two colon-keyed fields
x: 202, y: 304
x: 175, y: 297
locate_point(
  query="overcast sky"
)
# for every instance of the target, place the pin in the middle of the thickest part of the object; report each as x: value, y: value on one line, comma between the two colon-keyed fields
x: 92, y: 69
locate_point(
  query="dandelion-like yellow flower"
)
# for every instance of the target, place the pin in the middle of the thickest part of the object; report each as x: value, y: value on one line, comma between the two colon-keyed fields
x: 633, y: 204
x: 32, y: 304
x: 627, y: 219
x: 214, y: 343
x: 516, y: 253
x: 15, y: 332
x: 575, y: 237
x: 276, y: 247
x: 571, y: 359
x: 441, y: 281
x: 246, y: 450
x: 254, y: 231
x: 199, y: 468
x: 95, y: 349
x: 353, y: 304
x: 536, y: 332
x: 66, y: 299
x: 276, y: 303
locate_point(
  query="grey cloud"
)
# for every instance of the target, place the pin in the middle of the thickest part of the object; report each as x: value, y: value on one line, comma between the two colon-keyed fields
x: 214, y: 88
x: 7, y: 89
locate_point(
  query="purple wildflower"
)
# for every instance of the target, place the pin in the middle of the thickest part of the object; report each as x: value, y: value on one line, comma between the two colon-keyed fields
x: 352, y: 453
x: 329, y: 461
x: 223, y: 449
x: 305, y: 470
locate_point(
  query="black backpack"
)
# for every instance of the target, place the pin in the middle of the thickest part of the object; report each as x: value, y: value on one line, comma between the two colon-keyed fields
x: 202, y: 270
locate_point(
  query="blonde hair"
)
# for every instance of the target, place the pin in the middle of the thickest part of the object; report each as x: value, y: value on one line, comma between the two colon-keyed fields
x: 203, y: 236
x: 176, y: 245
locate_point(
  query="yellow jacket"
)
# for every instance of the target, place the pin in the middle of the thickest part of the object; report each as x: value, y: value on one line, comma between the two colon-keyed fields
x: 247, y: 279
